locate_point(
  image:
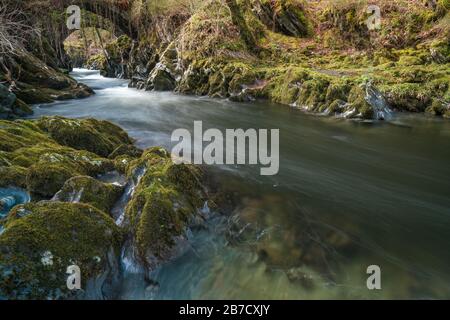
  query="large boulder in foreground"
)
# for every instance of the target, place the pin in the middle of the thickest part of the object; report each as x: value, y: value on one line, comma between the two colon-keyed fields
x: 164, y: 204
x: 42, y: 240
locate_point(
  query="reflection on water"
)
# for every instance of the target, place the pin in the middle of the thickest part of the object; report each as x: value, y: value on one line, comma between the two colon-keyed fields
x: 348, y: 195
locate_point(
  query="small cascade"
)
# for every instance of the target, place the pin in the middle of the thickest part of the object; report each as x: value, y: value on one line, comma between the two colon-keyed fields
x: 381, y: 109
x: 10, y: 197
x: 118, y: 212
x: 74, y: 197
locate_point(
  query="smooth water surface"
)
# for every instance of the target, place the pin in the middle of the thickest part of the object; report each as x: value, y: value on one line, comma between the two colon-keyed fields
x: 384, y: 186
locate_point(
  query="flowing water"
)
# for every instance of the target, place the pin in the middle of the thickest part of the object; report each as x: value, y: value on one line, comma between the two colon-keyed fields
x: 357, y: 193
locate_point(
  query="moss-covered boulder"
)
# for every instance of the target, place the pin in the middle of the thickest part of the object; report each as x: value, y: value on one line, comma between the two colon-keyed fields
x: 129, y: 150
x: 85, y: 189
x: 165, y: 73
x: 97, y: 62
x: 49, y: 166
x: 33, y: 81
x: 164, y: 203
x: 43, y: 239
x: 99, y: 137
x: 40, y: 155
x: 118, y: 52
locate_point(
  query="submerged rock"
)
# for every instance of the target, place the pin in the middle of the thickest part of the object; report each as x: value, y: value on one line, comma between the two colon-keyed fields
x: 36, y: 250
x: 260, y: 223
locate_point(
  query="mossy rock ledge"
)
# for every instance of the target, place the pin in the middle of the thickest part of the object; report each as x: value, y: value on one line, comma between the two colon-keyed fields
x: 85, y: 189
x: 33, y: 81
x: 73, y: 223
x: 43, y: 239
x: 165, y: 204
x: 316, y: 56
x: 100, y: 137
x: 41, y: 155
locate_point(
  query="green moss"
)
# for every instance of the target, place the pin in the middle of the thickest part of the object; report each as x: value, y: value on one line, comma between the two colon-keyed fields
x: 46, y: 179
x: 47, y: 176
x: 203, y: 37
x: 122, y: 162
x: 409, y: 61
x: 408, y: 96
x: 100, y: 137
x: 241, y: 75
x: 338, y: 90
x: 286, y: 16
x: 88, y: 190
x: 45, y: 163
x: 284, y: 86
x: 68, y: 233
x: 160, y: 223
x: 357, y: 100
x: 335, y: 106
x: 4, y: 159
x: 126, y: 150
x: 36, y: 81
x: 313, y: 93
x: 13, y: 176
x: 18, y: 134
x: 438, y: 107
x: 21, y: 108
x: 119, y: 48
x: 97, y: 62
x: 34, y: 95
x: 165, y: 200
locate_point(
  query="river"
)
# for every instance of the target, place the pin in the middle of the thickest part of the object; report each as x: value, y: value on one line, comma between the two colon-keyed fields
x: 358, y: 193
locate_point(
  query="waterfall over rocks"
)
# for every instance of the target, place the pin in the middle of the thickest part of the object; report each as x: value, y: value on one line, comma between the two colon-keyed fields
x: 10, y: 197
x: 381, y: 109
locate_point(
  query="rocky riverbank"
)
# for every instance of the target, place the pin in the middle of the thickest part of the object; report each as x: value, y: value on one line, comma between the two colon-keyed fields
x: 28, y: 80
x: 318, y: 56
x: 71, y: 218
